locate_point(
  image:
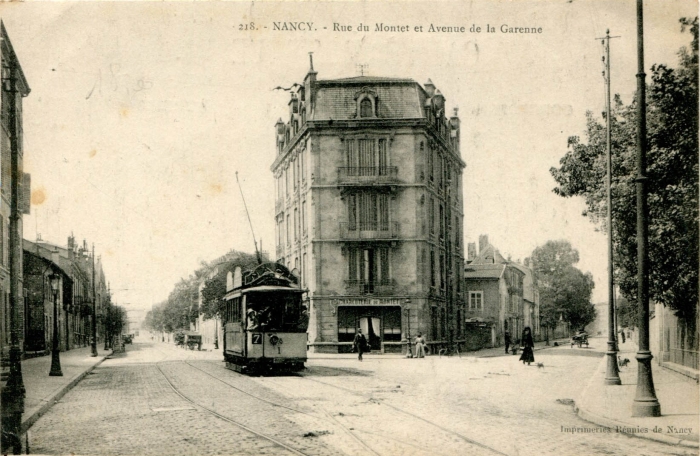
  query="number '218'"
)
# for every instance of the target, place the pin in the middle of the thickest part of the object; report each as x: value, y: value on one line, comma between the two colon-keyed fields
x: 248, y: 26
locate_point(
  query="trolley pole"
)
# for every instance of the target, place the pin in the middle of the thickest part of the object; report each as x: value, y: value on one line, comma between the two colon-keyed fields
x: 612, y: 375
x: 645, y: 401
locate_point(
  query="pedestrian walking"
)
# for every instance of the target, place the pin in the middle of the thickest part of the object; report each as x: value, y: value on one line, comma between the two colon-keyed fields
x: 622, y: 333
x: 507, y: 340
x: 420, y: 346
x: 360, y: 344
x: 528, y: 345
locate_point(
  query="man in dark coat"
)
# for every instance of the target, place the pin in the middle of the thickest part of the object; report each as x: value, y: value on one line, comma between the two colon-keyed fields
x: 507, y: 340
x: 360, y: 344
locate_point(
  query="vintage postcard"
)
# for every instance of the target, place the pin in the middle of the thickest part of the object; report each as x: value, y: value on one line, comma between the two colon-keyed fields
x: 349, y: 227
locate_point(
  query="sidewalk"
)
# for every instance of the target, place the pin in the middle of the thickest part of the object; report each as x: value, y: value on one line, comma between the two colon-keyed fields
x: 611, y: 405
x: 44, y: 391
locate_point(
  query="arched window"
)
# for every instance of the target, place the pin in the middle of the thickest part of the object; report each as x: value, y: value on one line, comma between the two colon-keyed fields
x: 366, y: 108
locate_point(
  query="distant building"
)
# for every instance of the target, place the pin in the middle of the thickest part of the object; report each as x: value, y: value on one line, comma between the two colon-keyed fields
x: 369, y: 210
x: 75, y: 298
x: 494, y: 296
x: 13, y: 88
x: 531, y: 299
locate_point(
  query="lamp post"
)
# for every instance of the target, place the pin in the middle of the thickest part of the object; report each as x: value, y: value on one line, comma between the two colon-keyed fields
x: 645, y: 400
x: 407, y: 311
x: 55, y: 280
x: 216, y: 333
x: 94, y: 307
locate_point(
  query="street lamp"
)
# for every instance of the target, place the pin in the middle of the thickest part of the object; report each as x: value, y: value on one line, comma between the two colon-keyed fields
x: 55, y: 280
x: 216, y: 333
x: 93, y: 345
x: 407, y: 311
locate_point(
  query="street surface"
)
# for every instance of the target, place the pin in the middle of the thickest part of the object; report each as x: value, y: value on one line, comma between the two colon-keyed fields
x: 159, y: 399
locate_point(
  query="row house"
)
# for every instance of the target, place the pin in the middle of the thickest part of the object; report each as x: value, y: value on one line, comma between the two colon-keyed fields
x: 369, y: 210
x: 82, y: 284
x: 495, y: 297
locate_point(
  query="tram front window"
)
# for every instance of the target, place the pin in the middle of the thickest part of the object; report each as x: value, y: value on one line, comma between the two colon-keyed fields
x: 274, y: 311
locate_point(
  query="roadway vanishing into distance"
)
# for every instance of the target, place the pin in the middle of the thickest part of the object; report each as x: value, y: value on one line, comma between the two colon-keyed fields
x: 159, y: 399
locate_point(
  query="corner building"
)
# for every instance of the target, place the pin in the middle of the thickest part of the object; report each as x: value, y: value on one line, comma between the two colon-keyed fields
x: 369, y: 211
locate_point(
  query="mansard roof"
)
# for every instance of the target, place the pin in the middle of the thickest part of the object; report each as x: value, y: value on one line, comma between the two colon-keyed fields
x: 396, y: 98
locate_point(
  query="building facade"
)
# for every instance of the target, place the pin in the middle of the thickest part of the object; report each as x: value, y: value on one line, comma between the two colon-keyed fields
x: 494, y: 295
x: 14, y: 88
x: 369, y: 210
x: 80, y: 286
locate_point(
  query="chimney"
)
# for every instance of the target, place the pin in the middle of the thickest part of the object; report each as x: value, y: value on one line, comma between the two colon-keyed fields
x: 429, y: 88
x: 483, y: 242
x: 471, y: 252
x: 310, y: 87
x: 293, y: 105
x: 71, y: 246
x: 439, y: 100
x: 279, y: 134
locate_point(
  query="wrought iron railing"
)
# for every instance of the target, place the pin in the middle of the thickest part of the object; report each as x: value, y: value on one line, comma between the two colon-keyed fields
x: 378, y: 287
x: 370, y: 175
x: 369, y: 230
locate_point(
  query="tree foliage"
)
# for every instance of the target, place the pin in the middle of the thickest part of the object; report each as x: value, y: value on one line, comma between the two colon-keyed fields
x: 215, y: 287
x: 182, y: 306
x: 565, y: 291
x: 672, y: 169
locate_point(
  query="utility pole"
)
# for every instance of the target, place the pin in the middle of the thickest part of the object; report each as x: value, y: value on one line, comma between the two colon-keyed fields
x: 94, y: 306
x: 645, y: 401
x: 14, y: 392
x: 612, y: 375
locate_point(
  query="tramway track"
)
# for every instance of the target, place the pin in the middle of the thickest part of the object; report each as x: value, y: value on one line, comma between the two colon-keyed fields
x: 227, y: 419
x: 353, y: 433
x: 413, y: 415
x: 327, y: 417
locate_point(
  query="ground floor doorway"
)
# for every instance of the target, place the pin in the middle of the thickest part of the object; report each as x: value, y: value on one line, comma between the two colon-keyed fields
x: 381, y: 325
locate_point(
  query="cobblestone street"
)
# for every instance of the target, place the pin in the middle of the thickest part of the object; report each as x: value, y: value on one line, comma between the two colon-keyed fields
x: 383, y: 405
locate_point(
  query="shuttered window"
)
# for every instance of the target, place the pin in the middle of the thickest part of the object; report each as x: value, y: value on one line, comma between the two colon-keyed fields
x: 368, y: 211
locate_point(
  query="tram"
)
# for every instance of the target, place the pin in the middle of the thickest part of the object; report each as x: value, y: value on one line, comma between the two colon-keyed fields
x: 265, y: 320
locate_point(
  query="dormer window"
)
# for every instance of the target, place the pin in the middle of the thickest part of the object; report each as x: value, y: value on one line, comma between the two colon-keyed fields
x: 366, y: 108
x: 366, y: 103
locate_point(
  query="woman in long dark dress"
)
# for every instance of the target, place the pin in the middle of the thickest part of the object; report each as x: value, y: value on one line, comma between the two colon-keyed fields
x: 528, y: 345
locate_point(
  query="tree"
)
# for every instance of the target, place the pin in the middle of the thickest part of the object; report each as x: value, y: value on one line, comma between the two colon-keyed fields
x: 565, y: 291
x: 215, y: 287
x: 672, y: 170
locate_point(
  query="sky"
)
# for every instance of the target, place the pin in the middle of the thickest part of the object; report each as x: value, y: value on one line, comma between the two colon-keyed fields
x: 141, y: 113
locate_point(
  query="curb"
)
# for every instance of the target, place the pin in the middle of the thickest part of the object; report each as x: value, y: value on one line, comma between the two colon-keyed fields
x: 612, y: 424
x: 55, y: 397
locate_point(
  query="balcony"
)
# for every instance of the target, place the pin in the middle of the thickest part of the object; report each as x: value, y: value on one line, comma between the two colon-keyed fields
x: 370, y: 287
x: 377, y: 231
x: 368, y: 175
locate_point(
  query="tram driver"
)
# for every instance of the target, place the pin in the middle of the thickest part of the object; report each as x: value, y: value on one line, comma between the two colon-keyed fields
x: 251, y: 319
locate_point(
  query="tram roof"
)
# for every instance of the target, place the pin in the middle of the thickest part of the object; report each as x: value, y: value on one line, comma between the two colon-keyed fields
x: 262, y: 289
